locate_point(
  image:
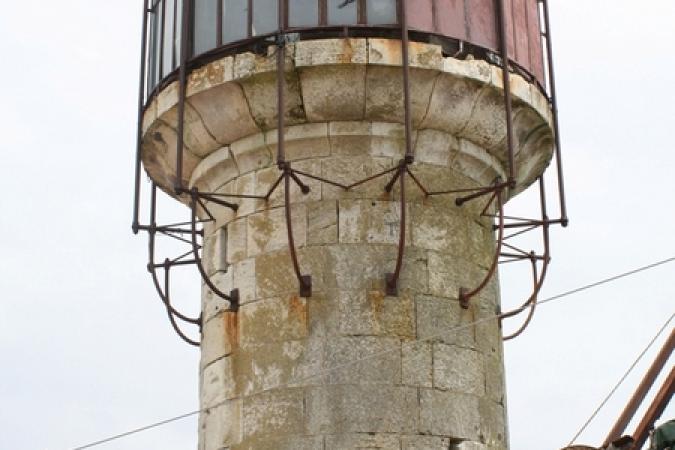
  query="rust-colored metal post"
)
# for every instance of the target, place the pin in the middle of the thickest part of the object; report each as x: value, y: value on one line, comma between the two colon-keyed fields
x: 139, y: 131
x: 182, y: 81
x: 655, y: 410
x: 642, y: 390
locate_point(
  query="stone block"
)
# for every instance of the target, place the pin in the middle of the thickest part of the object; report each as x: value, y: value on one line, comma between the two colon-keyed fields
x: 373, y: 263
x: 334, y: 92
x: 276, y: 412
x: 322, y: 226
x: 425, y: 443
x: 250, y: 64
x: 417, y: 364
x: 237, y: 238
x: 267, y: 178
x: 458, y: 369
x: 262, y: 367
x: 195, y: 134
x: 444, y: 320
x: 435, y: 147
x: 361, y: 409
x: 220, y: 337
x: 275, y: 275
x: 493, y: 424
x: 494, y: 377
x: 324, y: 317
x: 363, y: 360
x: 221, y: 426
x: 451, y: 104
x: 282, y: 443
x: 370, y: 313
x: 267, y: 230
x: 273, y: 320
x: 217, y: 383
x: 210, y: 75
x: 245, y: 185
x: 447, y: 274
x: 350, y: 138
x: 301, y: 141
x: 167, y: 98
x: 487, y: 125
x: 350, y: 169
x: 159, y: 156
x: 149, y: 115
x: 214, y: 256
x: 214, y: 171
x: 213, y: 304
x: 477, y: 164
x: 374, y: 222
x: 384, y: 94
x: 225, y: 112
x: 389, y: 51
x: 471, y: 69
x: 388, y: 140
x: 261, y: 94
x: 244, y: 279
x: 362, y: 441
x: 450, y: 414
x: 251, y: 153
x: 330, y: 51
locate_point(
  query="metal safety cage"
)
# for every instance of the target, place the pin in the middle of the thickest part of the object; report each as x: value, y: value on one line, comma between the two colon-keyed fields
x: 156, y: 72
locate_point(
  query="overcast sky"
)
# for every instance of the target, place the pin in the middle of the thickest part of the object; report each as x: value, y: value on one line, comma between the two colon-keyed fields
x: 86, y: 348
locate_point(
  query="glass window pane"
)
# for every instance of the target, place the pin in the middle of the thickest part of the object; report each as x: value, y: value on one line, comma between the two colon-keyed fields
x: 342, y: 12
x: 235, y: 20
x: 152, y: 52
x: 179, y: 30
x: 303, y: 13
x: 206, y: 13
x: 265, y: 13
x: 167, y: 61
x: 381, y: 12
x: 158, y: 41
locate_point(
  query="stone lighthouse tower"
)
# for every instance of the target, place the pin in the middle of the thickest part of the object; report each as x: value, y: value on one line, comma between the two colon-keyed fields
x: 346, y: 164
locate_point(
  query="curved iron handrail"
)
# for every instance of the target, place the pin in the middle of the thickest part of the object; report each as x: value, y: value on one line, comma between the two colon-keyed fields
x: 531, y: 302
x: 172, y: 319
x: 464, y: 294
x: 233, y: 296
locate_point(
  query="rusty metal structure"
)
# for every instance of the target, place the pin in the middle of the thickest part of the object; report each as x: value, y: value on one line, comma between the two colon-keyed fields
x: 179, y: 36
x: 658, y: 404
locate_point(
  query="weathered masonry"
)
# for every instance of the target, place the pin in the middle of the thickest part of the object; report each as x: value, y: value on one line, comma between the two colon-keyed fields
x: 346, y: 164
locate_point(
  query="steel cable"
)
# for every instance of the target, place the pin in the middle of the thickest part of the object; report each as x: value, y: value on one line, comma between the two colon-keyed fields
x: 384, y: 353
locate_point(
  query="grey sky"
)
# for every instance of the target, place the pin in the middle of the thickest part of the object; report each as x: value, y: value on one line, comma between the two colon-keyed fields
x: 86, y: 347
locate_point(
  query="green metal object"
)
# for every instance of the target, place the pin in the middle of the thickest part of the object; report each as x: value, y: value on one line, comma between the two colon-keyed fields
x: 664, y: 437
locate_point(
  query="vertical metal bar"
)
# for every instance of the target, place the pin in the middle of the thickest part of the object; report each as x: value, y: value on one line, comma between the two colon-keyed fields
x: 219, y: 23
x: 361, y: 12
x: 655, y: 410
x: 323, y: 12
x: 139, y: 131
x: 554, y: 107
x: 160, y: 72
x: 185, y: 26
x: 642, y: 390
x: 173, y: 34
x: 392, y: 279
x: 249, y: 18
x: 506, y: 80
x: 406, y: 83
x: 281, y: 60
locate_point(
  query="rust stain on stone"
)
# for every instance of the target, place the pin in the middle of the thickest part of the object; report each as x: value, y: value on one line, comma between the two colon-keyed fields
x: 232, y: 328
x: 298, y: 309
x: 376, y: 300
